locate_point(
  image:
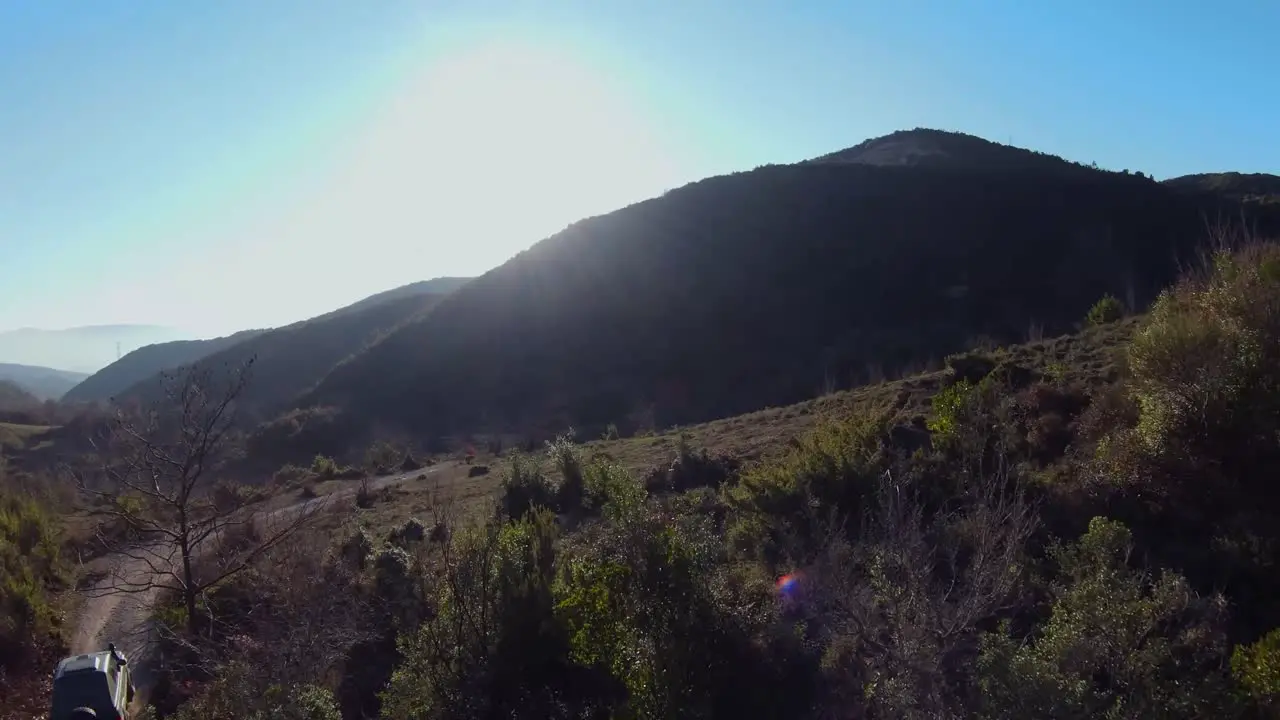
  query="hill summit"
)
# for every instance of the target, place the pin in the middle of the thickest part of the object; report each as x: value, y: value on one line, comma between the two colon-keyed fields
x: 925, y: 147
x: 765, y: 287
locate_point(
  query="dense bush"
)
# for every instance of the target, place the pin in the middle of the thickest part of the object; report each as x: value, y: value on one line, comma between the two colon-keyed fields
x: 237, y: 694
x: 691, y: 468
x: 1206, y: 377
x: 490, y: 651
x: 781, y: 508
x: 1195, y: 458
x: 525, y: 486
x: 1118, y: 643
x: 1257, y: 668
x: 31, y: 564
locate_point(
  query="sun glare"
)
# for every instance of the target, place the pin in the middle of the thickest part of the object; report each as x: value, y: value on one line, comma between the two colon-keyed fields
x: 494, y: 148
x: 479, y: 153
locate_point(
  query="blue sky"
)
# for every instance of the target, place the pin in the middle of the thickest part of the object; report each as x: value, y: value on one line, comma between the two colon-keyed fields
x: 214, y: 166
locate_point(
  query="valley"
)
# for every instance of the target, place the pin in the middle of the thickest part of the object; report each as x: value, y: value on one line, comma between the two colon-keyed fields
x: 926, y: 427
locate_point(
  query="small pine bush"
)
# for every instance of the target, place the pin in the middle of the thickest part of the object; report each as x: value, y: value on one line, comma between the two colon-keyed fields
x: 1106, y: 310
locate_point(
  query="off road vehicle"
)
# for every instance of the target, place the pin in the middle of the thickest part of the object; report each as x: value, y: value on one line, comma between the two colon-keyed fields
x: 94, y: 685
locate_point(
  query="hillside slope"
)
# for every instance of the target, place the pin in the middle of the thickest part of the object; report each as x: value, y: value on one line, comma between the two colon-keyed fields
x: 761, y: 287
x: 146, y: 362
x: 291, y: 360
x: 122, y: 378
x: 42, y: 382
x: 434, y: 286
x: 1242, y: 186
x: 13, y: 397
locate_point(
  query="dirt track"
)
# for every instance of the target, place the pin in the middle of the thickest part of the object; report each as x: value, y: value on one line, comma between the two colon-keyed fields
x: 110, y: 615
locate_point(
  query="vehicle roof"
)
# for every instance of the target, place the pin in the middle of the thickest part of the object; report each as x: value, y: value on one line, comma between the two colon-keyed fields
x: 89, y: 662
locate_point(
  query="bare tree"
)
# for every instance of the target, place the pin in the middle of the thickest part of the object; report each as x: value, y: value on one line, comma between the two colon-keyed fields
x: 285, y: 624
x: 180, y: 532
x: 902, y: 607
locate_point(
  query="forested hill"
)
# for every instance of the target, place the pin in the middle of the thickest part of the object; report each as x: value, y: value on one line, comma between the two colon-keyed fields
x: 145, y: 362
x: 757, y: 288
x: 288, y: 360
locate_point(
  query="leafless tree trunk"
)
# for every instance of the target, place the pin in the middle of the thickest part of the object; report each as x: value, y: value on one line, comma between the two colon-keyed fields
x: 183, y: 535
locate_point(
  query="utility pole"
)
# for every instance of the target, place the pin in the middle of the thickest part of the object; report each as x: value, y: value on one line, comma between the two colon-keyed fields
x: 117, y: 350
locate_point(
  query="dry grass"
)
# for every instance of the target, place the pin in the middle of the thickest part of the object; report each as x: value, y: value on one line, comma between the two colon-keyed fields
x: 23, y: 438
x: 1092, y: 356
x: 398, y: 498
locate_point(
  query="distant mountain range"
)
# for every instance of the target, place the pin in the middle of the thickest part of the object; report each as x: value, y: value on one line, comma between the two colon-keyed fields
x: 730, y: 294
x: 41, y: 382
x: 81, y: 349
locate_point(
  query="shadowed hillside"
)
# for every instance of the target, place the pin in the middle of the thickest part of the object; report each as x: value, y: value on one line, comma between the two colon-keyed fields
x: 762, y: 287
x: 146, y: 362
x: 45, y: 383
x: 434, y: 286
x: 1241, y: 186
x: 13, y: 397
x: 290, y: 360
x: 340, y: 332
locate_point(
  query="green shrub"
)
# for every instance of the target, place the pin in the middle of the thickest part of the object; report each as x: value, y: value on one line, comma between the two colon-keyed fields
x: 567, y: 461
x: 691, y: 469
x: 1119, y: 643
x: 31, y: 564
x: 611, y: 488
x: 382, y: 455
x: 493, y: 648
x: 1256, y: 668
x: 324, y: 467
x: 524, y: 487
x: 1107, y: 310
x: 949, y: 406
x: 1205, y: 377
x: 779, y: 509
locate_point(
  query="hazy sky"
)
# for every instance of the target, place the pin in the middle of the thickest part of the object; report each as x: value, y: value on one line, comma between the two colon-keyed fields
x: 227, y: 164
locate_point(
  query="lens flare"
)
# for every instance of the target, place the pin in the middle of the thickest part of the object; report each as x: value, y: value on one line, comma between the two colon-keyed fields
x: 787, y: 583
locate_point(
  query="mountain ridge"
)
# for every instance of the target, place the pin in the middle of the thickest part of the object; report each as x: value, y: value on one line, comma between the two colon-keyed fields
x: 138, y: 365
x: 289, y: 360
x: 42, y: 382
x: 640, y: 311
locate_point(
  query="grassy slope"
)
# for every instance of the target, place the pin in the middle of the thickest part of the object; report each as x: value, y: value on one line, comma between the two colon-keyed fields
x: 1090, y: 357
x: 16, y: 438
